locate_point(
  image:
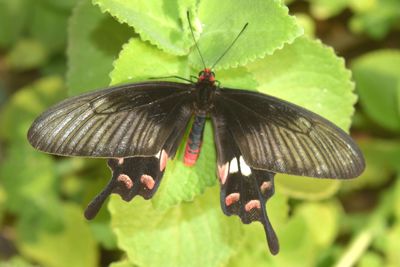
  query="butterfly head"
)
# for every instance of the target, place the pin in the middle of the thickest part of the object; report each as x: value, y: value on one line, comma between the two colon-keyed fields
x: 207, y: 75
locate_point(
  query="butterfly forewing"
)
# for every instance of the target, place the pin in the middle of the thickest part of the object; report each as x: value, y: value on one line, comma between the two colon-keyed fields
x: 122, y: 121
x: 281, y: 137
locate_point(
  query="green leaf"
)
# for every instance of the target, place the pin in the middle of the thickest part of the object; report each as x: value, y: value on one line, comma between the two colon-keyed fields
x: 371, y: 259
x: 95, y: 40
x: 158, y: 23
x: 377, y: 75
x: 65, y: 4
x: 375, y: 18
x: 324, y: 9
x: 381, y: 157
x: 17, y: 262
x: 9, y: 11
x: 26, y: 105
x: 49, y: 26
x: 182, y: 183
x: 28, y: 176
x: 308, y: 74
x: 3, y: 197
x: 220, y: 20
x: 299, y: 244
x: 27, y: 54
x: 72, y: 245
x: 397, y: 199
x: 393, y: 241
x: 123, y: 263
x: 307, y: 23
x: 191, y: 234
x: 139, y: 61
x: 324, y: 230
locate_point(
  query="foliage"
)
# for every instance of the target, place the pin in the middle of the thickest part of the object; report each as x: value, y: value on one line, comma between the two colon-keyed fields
x: 319, y: 222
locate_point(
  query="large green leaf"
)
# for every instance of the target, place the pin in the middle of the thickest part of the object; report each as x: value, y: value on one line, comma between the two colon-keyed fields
x: 159, y: 22
x: 375, y: 18
x: 324, y: 9
x: 94, y: 42
x: 377, y: 75
x: 48, y: 25
x: 382, y: 162
x: 27, y: 54
x: 72, y: 245
x: 191, y: 234
x: 220, y: 20
x: 26, y: 105
x: 17, y: 12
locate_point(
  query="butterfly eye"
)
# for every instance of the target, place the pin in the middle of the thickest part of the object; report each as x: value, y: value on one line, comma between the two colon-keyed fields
x: 201, y: 73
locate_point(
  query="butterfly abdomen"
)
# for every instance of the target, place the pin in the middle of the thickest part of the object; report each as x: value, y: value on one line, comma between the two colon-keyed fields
x: 193, y: 145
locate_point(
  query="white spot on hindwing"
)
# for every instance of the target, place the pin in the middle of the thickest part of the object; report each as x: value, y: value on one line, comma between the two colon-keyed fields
x: 244, y: 168
x: 233, y: 166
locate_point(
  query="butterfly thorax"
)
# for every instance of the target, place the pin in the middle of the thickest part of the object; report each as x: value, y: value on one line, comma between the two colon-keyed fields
x: 205, y: 90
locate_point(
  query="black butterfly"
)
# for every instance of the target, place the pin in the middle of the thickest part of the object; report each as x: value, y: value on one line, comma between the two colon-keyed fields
x: 139, y: 126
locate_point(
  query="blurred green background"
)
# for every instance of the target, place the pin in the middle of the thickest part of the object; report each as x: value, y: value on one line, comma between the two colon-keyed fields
x: 52, y: 49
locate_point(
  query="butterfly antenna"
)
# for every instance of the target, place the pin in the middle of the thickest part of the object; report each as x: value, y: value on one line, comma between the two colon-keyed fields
x: 194, y: 39
x: 229, y: 47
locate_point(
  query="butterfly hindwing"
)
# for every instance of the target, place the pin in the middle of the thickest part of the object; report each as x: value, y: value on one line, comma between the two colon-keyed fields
x: 244, y: 190
x: 280, y: 137
x: 139, y: 175
x: 131, y: 177
x: 122, y: 121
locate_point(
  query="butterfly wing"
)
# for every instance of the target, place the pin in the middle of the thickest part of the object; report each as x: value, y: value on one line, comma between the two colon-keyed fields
x: 137, y: 126
x: 244, y: 190
x: 280, y: 137
x: 257, y: 136
x: 122, y: 121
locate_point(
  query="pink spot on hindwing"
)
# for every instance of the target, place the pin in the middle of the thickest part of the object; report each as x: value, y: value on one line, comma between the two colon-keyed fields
x: 252, y: 204
x: 223, y: 172
x: 148, y: 181
x: 163, y: 160
x: 123, y: 178
x: 232, y: 198
x: 265, y: 186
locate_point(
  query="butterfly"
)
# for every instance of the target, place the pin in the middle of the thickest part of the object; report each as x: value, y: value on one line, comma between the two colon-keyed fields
x: 139, y: 126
